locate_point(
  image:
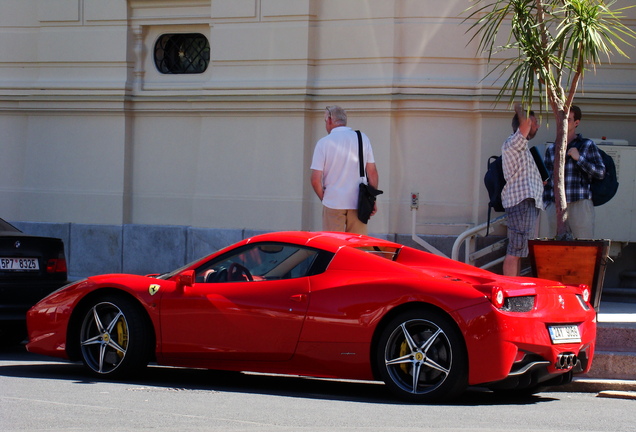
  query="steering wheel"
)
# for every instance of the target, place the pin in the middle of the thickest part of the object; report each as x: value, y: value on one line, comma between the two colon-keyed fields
x: 238, y: 272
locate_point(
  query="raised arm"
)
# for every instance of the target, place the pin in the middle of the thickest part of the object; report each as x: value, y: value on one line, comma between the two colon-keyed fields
x: 525, y: 123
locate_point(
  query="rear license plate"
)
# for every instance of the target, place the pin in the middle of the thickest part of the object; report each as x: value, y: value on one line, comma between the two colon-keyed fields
x: 19, y: 264
x: 564, y: 334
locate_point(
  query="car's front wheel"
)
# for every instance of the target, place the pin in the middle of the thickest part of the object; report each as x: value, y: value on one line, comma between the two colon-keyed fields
x: 115, y: 339
x: 421, y: 357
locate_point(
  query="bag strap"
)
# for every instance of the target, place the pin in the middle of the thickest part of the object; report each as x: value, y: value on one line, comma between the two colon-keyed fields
x: 578, y: 144
x: 360, y: 153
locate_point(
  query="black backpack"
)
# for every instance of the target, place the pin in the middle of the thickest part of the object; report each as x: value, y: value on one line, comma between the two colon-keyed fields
x: 605, y: 189
x: 602, y: 190
x: 495, y: 182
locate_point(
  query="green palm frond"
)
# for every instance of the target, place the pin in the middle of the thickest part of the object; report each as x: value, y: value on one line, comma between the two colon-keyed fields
x: 553, y: 43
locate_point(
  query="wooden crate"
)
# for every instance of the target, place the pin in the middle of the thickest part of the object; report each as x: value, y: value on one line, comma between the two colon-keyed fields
x: 572, y: 262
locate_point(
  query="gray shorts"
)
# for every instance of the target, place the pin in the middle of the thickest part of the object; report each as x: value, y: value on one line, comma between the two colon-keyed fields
x: 522, y: 222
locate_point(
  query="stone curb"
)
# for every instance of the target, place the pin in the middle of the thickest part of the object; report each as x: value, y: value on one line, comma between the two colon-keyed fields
x: 617, y: 395
x: 624, y: 389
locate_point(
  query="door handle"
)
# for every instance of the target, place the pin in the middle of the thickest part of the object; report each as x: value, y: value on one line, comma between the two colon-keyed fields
x: 299, y: 298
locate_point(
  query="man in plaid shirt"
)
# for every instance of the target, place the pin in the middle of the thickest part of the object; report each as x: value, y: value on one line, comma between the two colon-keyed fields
x: 582, y: 163
x: 522, y: 195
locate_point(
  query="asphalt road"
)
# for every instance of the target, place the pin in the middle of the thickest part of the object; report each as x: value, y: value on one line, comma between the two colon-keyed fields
x: 39, y: 393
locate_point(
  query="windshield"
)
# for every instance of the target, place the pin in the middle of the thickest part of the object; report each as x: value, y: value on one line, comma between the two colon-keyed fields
x: 177, y: 271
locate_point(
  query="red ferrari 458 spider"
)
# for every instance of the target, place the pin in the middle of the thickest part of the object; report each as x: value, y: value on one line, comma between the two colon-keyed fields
x: 327, y: 305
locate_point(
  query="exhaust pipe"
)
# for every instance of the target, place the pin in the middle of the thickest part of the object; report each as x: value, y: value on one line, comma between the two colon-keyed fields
x: 565, y: 361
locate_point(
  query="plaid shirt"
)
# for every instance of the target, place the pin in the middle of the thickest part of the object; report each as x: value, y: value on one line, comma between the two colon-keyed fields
x: 578, y: 174
x: 522, y: 176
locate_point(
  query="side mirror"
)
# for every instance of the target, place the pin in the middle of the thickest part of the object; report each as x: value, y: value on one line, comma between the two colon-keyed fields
x: 185, y: 279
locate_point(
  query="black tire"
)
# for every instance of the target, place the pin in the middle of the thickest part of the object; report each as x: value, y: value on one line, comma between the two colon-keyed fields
x: 115, y: 338
x: 421, y: 357
x: 12, y: 333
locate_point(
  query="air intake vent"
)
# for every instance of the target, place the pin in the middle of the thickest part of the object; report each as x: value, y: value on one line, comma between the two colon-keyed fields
x: 519, y: 304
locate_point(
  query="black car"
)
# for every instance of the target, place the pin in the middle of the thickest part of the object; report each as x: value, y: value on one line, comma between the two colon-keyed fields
x: 31, y: 267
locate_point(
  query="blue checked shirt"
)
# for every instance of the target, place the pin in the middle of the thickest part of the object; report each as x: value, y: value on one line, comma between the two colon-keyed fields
x: 522, y: 176
x: 578, y: 174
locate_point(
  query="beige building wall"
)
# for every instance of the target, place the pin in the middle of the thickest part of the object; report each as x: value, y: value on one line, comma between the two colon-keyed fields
x: 92, y: 133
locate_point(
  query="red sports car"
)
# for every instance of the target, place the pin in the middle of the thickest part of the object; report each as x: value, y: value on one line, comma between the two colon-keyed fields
x: 327, y: 305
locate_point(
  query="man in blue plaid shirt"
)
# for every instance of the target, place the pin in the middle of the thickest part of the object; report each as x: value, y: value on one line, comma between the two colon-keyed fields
x: 582, y: 163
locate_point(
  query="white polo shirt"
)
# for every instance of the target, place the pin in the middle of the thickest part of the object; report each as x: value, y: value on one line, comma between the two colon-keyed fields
x: 336, y: 155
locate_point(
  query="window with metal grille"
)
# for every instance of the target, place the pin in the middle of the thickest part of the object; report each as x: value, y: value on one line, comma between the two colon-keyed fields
x: 187, y: 53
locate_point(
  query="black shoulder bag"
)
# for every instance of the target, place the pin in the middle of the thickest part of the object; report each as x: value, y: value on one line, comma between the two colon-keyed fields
x: 367, y: 193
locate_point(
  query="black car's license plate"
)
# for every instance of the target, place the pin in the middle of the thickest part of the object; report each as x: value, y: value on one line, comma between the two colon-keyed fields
x: 19, y: 264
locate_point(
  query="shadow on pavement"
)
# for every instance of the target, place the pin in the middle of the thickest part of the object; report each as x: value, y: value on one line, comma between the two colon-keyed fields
x: 17, y: 362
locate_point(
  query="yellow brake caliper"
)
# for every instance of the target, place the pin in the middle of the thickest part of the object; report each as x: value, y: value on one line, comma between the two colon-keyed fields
x: 404, y: 350
x: 122, y: 336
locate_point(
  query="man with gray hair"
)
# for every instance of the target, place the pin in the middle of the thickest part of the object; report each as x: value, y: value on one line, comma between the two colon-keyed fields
x: 335, y: 173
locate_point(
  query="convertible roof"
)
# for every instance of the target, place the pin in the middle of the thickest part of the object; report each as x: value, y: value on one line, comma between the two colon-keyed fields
x: 331, y: 241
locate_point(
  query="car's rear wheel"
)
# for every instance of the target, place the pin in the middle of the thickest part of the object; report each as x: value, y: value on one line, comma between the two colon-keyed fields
x: 421, y: 357
x: 115, y: 338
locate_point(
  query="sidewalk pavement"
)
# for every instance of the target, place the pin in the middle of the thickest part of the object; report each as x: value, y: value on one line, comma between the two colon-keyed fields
x: 612, y: 312
x: 612, y: 315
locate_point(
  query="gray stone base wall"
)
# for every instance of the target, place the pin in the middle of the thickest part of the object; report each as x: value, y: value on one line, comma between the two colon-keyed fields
x: 147, y: 249
x: 135, y: 249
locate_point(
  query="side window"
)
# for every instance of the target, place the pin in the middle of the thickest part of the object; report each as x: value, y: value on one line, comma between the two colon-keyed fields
x: 259, y: 262
x: 187, y: 53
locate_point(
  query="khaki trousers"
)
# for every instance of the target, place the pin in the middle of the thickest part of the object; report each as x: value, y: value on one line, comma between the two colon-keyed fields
x: 580, y: 219
x: 343, y: 221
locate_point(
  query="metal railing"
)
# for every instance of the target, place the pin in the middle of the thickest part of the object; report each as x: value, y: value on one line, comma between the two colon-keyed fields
x: 469, y: 239
x: 416, y: 238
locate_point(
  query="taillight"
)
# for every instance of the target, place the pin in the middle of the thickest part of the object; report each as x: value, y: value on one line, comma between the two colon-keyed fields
x: 56, y: 265
x: 586, y: 293
x: 497, y: 297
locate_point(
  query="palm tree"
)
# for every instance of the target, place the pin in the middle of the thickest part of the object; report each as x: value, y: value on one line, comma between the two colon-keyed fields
x: 555, y: 43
